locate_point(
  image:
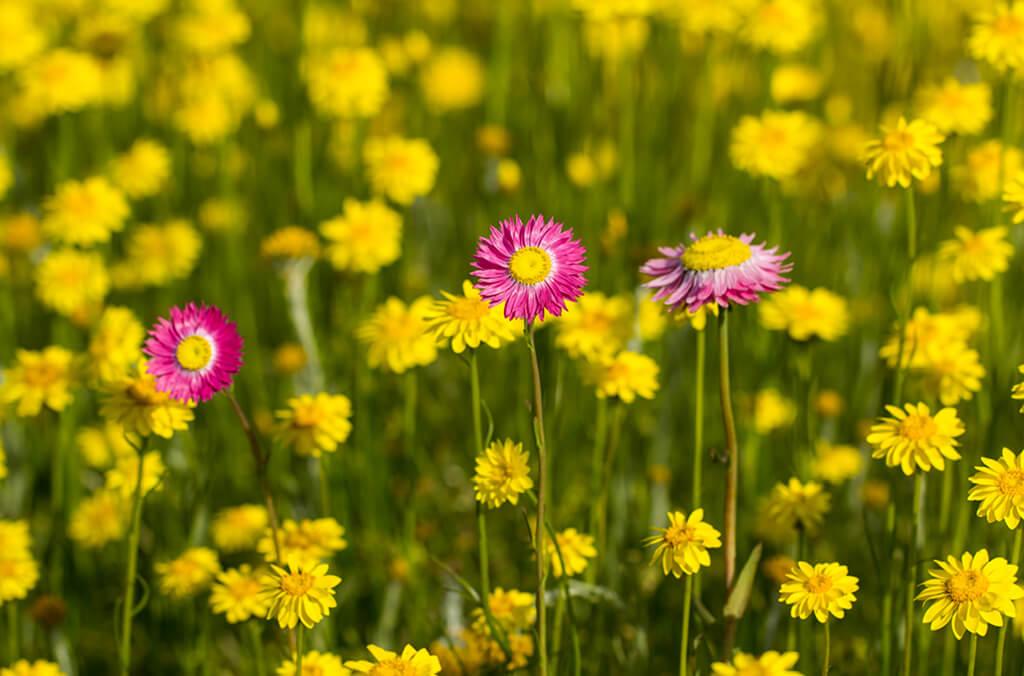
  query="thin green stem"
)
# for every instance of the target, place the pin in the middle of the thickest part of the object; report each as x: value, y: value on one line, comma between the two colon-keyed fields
x: 698, y: 420
x: 828, y: 649
x: 538, y: 425
x: 325, y: 486
x: 253, y: 627
x: 131, y: 570
x: 911, y: 576
x: 684, y: 644
x: 887, y: 601
x: 911, y: 225
x: 596, y: 464
x: 12, y: 632
x: 732, y: 473
x: 973, y: 656
x: 300, y: 636
x: 1001, y: 642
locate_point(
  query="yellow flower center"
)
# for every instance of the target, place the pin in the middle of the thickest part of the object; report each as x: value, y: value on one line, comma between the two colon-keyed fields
x: 7, y: 569
x: 967, y: 585
x: 716, y: 252
x: 296, y: 584
x: 468, y: 309
x: 679, y: 536
x: 144, y: 393
x: 1008, y: 26
x: 42, y: 375
x: 898, y: 141
x: 819, y: 584
x: 394, y: 667
x: 193, y: 353
x: 312, y: 670
x: 918, y: 427
x: 1012, y: 482
x: 530, y: 265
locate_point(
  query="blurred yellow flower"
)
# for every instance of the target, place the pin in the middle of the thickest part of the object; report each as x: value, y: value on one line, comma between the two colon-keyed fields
x: 133, y: 402
x: 927, y: 335
x: 289, y: 359
x: 954, y: 373
x: 468, y: 321
x: 3, y: 461
x: 777, y: 144
x: 970, y: 593
x: 1018, y: 389
x: 502, y: 474
x: 595, y: 327
x: 37, y: 379
x: 143, y: 169
x: 795, y: 82
x: 364, y: 238
x: 70, y: 281
x: 238, y: 594
x: 772, y: 411
x: 955, y: 107
x: 453, y: 79
x: 798, y: 506
x: 290, y: 243
x: 300, y: 593
x: 306, y: 542
x: 37, y: 668
x: 21, y: 34
x: 163, y: 253
x: 836, y: 463
x: 979, y: 178
x: 315, y: 663
x: 347, y: 82
x: 1013, y: 195
x: 573, y: 549
x: 782, y: 26
x: 508, y: 175
x: 223, y: 215
x: 682, y: 548
x: 189, y: 574
x: 771, y: 663
x: 977, y: 254
x: 100, y: 446
x: 914, y: 439
x: 20, y: 233
x: 116, y: 343
x: 124, y: 475
x: 235, y: 529
x: 397, y: 335
x: 98, y: 519
x: 85, y: 212
x: 998, y: 37
x: 777, y: 567
x: 627, y: 375
x: 805, y: 314
x: 400, y: 169
x: 999, y: 487
x: 315, y: 423
x: 412, y: 662
x: 61, y: 81
x: 512, y: 609
x: 19, y: 574
x: 210, y: 26
x: 903, y: 152
x: 822, y: 589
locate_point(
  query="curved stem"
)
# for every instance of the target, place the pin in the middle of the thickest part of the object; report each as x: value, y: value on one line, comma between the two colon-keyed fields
x: 684, y: 645
x: 538, y: 424
x: 732, y: 473
x: 1001, y: 643
x: 131, y: 571
x: 908, y: 630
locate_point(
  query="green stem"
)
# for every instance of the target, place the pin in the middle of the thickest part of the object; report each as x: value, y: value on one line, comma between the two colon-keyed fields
x: 325, y: 486
x: 911, y: 567
x: 596, y: 463
x: 684, y: 645
x: 1001, y: 643
x: 828, y: 650
x: 128, y: 609
x: 973, y: 655
x: 886, y: 624
x: 698, y: 419
x: 12, y: 631
x: 300, y: 636
x: 302, y: 170
x: 257, y: 646
x: 911, y: 225
x: 538, y: 424
x: 733, y: 472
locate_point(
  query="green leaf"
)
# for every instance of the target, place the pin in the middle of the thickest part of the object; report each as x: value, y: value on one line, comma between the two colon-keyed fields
x: 736, y: 604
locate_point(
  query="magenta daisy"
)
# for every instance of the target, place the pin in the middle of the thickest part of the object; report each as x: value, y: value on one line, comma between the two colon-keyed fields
x: 716, y: 268
x: 195, y: 353
x: 533, y: 268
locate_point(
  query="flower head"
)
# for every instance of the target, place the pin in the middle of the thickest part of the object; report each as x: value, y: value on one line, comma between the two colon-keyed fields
x: 570, y: 552
x: 39, y: 379
x: 300, y: 593
x: 999, y: 488
x: 346, y: 82
x: 716, y: 268
x: 836, y: 463
x: 195, y: 353
x: 782, y: 26
x: 85, y: 213
x: 238, y: 594
x: 956, y: 107
x: 502, y: 474
x: 98, y: 519
x: 364, y: 238
x: 315, y: 663
x: 905, y: 151
x: 305, y: 542
x: 398, y: 336
x: 998, y: 37
x: 37, y: 668
x: 805, y: 314
x: 980, y: 254
x: 160, y: 253
x: 777, y: 144
x: 772, y: 410
x: 116, y: 343
x: 134, y: 402
x: 291, y: 242
x: 142, y: 170
x: 822, y: 589
x: 411, y: 662
x: 315, y: 424
x: 627, y: 375
x: 596, y: 327
x: 72, y: 282
x: 533, y: 269
x: 238, y: 528
x: 771, y: 663
x: 400, y: 169
x: 19, y: 573
x: 683, y: 546
x: 122, y: 478
x: 986, y: 170
x: 915, y: 439
x: 189, y: 574
x: 512, y: 609
x: 453, y: 79
x: 796, y: 505
x: 468, y: 321
x: 971, y: 592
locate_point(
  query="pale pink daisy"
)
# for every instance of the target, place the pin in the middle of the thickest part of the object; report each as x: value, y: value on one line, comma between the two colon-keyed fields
x: 716, y: 268
x: 533, y: 268
x: 195, y: 353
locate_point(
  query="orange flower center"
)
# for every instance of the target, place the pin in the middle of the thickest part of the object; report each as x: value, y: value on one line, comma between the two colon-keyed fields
x: 898, y: 141
x: 1012, y: 482
x: 42, y: 375
x: 468, y: 309
x: 297, y: 584
x: 394, y: 667
x: 966, y: 586
x: 1008, y: 26
x: 819, y: 584
x: 918, y: 427
x: 679, y: 536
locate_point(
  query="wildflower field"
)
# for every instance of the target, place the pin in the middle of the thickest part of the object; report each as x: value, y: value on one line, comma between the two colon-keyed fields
x: 557, y: 337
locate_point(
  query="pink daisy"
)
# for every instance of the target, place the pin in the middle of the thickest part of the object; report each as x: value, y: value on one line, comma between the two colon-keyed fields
x: 716, y: 268
x: 533, y: 268
x: 195, y: 353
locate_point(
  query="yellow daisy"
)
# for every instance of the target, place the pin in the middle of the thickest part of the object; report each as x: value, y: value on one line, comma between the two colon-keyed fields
x: 315, y: 663
x: 999, y: 488
x: 238, y: 594
x: 300, y: 593
x: 164, y: 252
x: 400, y: 169
x: 796, y: 505
x: 683, y: 546
x: 453, y: 79
x: 977, y: 254
x: 468, y: 321
x: 19, y: 574
x: 84, y: 213
x: 411, y: 662
x: 398, y: 336
x: 914, y: 439
x: 315, y: 424
x: 290, y: 243
x: 971, y: 592
x: 998, y: 36
x: 595, y: 327
x: 1013, y: 195
x: 781, y: 26
x: 124, y: 475
x: 777, y: 144
x: 143, y: 169
x: 99, y: 519
x: 347, y: 83
x: 364, y: 238
x: 836, y: 463
x: 805, y: 314
x: 37, y: 668
x: 985, y: 171
x: 189, y: 574
x: 514, y: 610
x: 953, y: 374
x: 305, y: 542
x: 903, y: 152
x: 502, y: 474
x: 576, y: 550
x: 39, y: 379
x: 772, y: 411
x: 771, y: 663
x: 822, y: 589
x: 955, y: 107
x: 238, y: 528
x: 627, y: 375
x: 133, y: 402
x: 71, y: 282
x: 116, y: 344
